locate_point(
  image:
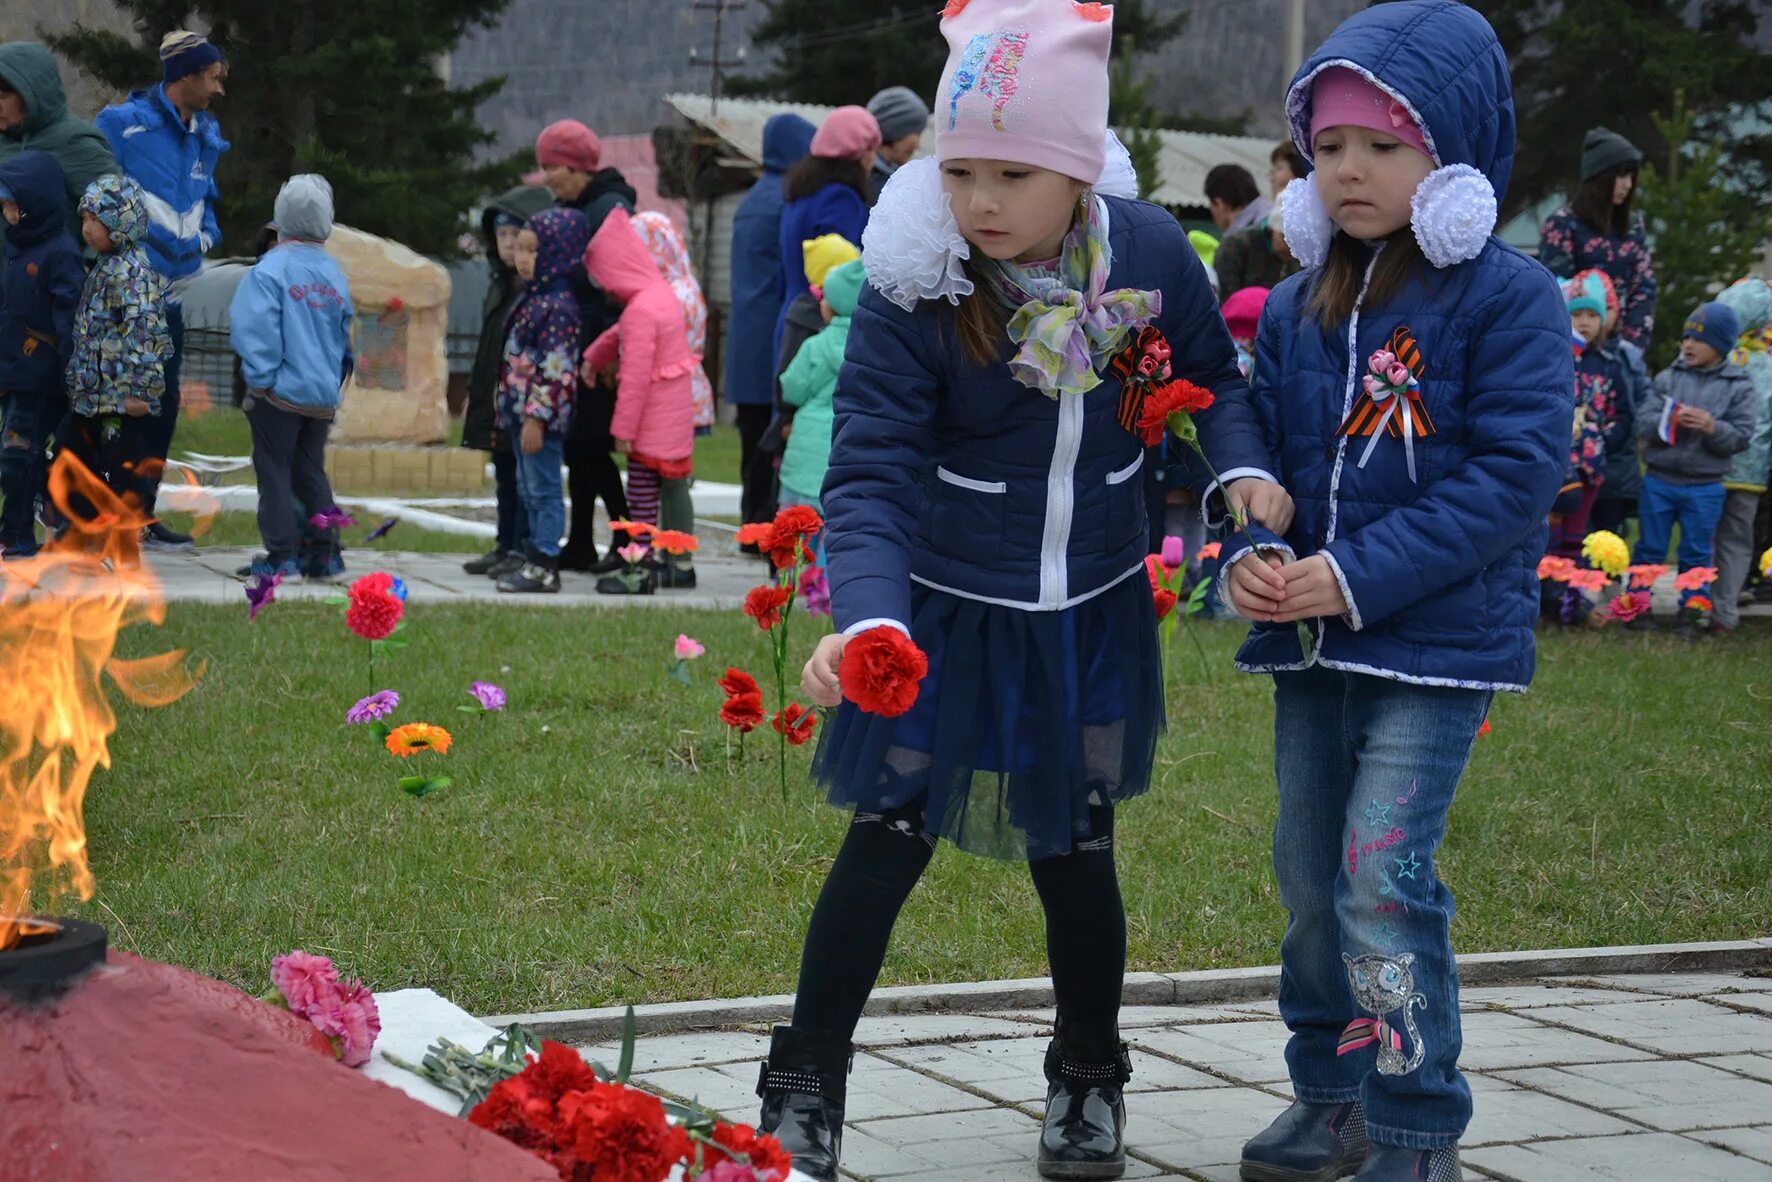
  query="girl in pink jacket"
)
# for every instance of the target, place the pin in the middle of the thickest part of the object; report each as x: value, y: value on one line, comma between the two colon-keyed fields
x: 654, y: 403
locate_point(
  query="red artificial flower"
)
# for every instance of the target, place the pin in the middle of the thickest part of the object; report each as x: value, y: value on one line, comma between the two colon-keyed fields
x: 795, y: 722
x: 1699, y: 603
x: 1556, y: 568
x: 881, y: 670
x: 737, y: 682
x: 1696, y: 579
x: 1484, y: 730
x: 373, y: 610
x: 1156, y: 571
x: 619, y: 1134
x: 675, y: 541
x: 1626, y: 608
x: 763, y: 1152
x: 760, y: 534
x: 743, y: 712
x: 1210, y: 551
x: 1165, y: 600
x: 1178, y: 397
x: 800, y: 521
x: 764, y: 605
x: 637, y: 531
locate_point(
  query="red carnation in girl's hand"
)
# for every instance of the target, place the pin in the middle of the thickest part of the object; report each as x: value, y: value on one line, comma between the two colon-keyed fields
x: 373, y: 610
x: 1179, y: 397
x: 764, y: 605
x: 881, y: 670
x: 796, y: 722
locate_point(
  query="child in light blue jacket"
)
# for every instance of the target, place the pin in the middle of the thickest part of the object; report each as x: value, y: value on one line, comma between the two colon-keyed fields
x: 291, y: 326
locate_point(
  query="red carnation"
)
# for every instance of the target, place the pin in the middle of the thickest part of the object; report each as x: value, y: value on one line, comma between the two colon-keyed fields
x: 796, y: 722
x: 1165, y: 600
x: 737, y: 682
x: 765, y: 1154
x: 760, y: 534
x: 373, y: 610
x: 764, y: 605
x: 1179, y: 397
x: 881, y: 670
x: 743, y: 712
x: 619, y: 1134
x: 798, y: 521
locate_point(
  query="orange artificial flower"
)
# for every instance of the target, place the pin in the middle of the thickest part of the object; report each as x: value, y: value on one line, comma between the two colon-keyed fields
x: 639, y: 531
x: 1645, y: 575
x: 1484, y: 729
x: 1696, y: 579
x: 414, y: 737
x: 1556, y: 567
x: 1095, y: 12
x: 760, y: 534
x: 1588, y: 580
x: 1699, y: 603
x: 1210, y: 551
x: 675, y: 541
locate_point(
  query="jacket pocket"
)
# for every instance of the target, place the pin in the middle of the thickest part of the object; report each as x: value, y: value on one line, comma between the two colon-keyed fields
x: 1124, y: 521
x: 964, y: 518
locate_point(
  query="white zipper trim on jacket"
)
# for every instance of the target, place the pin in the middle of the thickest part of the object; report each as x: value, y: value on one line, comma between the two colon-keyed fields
x: 958, y: 481
x: 1126, y: 473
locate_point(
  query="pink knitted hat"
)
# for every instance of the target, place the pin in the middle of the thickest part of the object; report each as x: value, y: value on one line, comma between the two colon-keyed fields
x: 1341, y: 97
x: 848, y: 133
x: 570, y: 144
x: 1027, y: 82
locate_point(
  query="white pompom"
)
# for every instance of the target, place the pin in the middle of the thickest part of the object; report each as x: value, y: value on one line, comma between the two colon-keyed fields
x: 912, y: 247
x: 1453, y: 214
x: 1118, y: 176
x: 1305, y: 224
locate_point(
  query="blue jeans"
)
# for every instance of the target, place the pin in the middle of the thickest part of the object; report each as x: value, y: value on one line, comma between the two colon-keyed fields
x: 513, y: 523
x: 1367, y: 769
x: 544, y: 498
x: 1697, y: 507
x: 29, y: 420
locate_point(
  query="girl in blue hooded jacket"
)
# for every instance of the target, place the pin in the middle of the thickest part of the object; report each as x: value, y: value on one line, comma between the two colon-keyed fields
x: 1415, y: 389
x: 985, y: 495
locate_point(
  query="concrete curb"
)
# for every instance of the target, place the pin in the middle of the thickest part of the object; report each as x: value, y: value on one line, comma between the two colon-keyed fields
x: 1213, y: 986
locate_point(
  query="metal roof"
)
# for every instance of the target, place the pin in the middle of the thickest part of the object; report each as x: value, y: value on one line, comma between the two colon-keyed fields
x: 1186, y: 157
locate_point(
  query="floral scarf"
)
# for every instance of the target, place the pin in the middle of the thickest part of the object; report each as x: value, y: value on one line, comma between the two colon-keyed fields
x: 1067, y: 327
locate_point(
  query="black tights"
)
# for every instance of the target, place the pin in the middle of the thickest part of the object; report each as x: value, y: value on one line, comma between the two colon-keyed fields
x: 881, y: 860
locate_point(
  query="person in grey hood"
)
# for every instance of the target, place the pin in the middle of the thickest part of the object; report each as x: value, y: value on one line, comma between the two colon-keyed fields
x: 903, y: 118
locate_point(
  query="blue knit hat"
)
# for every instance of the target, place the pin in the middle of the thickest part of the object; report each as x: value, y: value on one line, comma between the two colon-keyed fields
x: 183, y: 53
x: 1585, y: 293
x: 1714, y: 324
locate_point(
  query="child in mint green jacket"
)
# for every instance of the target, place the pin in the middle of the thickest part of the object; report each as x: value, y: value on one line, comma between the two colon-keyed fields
x: 809, y: 384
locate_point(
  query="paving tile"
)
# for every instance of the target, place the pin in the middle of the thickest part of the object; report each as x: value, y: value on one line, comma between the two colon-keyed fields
x: 1663, y: 1094
x: 1660, y: 1157
x: 685, y: 1050
x: 1253, y: 1052
x: 1753, y: 1001
x: 1134, y: 1017
x: 1494, y: 1040
x: 1012, y: 1070
x: 1531, y: 996
x: 898, y: 1029
x: 1021, y: 1169
x: 1506, y: 1113
x: 730, y: 1091
x: 1197, y: 1129
x: 1672, y: 984
x: 1674, y: 1026
x: 1758, y: 1066
x: 899, y: 1091
x: 1755, y: 1143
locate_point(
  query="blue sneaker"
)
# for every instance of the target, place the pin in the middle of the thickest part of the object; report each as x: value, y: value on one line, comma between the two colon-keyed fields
x: 1387, y: 1163
x: 1308, y: 1143
x: 329, y: 567
x: 263, y: 567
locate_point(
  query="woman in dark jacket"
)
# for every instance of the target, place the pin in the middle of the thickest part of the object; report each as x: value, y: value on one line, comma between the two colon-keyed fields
x: 499, y: 225
x: 827, y: 194
x: 1599, y: 229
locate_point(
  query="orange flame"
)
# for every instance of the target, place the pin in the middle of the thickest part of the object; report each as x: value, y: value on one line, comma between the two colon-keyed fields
x: 60, y: 613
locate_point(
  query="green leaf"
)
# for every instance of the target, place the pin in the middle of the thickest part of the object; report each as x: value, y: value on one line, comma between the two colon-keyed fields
x: 469, y: 709
x: 423, y: 785
x: 1196, y: 603
x: 680, y: 674
x: 395, y: 642
x: 629, y: 1032
x: 337, y: 601
x: 381, y: 730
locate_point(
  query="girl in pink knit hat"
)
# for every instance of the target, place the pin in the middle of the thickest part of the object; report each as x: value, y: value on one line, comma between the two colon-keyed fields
x: 986, y: 496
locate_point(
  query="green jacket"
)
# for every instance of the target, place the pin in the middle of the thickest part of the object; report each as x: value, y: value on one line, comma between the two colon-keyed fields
x: 810, y: 385
x: 79, y: 147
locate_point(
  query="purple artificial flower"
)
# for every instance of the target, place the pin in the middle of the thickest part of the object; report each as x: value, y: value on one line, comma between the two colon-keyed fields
x: 381, y: 531
x: 488, y: 695
x: 333, y: 518
x: 261, y: 590
x: 377, y: 705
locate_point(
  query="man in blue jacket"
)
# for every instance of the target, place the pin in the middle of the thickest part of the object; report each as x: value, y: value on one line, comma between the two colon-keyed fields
x: 757, y: 297
x: 168, y: 142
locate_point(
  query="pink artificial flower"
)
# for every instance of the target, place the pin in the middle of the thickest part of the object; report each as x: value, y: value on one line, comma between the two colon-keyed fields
x: 687, y: 649
x: 633, y: 552
x: 1381, y: 361
x: 377, y: 705
x: 815, y: 590
x: 488, y: 695
x: 1147, y: 366
x: 1374, y: 387
x: 1397, y: 374
x: 304, y: 980
x: 352, y: 1022
x: 1174, y: 553
x: 1628, y: 607
x: 731, y: 1171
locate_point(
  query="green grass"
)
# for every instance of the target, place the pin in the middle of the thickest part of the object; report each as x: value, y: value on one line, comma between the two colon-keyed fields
x: 600, y: 846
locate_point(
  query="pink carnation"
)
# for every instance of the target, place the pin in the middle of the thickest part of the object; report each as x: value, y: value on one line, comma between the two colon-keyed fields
x: 306, y: 981
x: 352, y: 1022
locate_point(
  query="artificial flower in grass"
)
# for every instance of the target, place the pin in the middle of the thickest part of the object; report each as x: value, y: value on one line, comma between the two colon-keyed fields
x: 1174, y: 552
x: 1588, y: 580
x: 675, y: 541
x: 261, y: 592
x: 1696, y: 579
x: 376, y: 706
x: 1483, y: 731
x: 764, y: 604
x: 489, y: 696
x: 373, y: 611
x: 1700, y: 604
x: 1646, y: 575
x: 736, y: 682
x: 743, y: 712
x: 408, y: 740
x: 1628, y: 606
x: 638, y: 530
x: 1766, y: 564
x: 1607, y: 551
x: 382, y: 530
x: 1556, y: 568
x: 881, y: 671
x: 795, y: 723
x: 686, y: 650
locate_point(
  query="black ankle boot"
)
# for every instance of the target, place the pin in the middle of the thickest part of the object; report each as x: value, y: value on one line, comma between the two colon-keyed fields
x: 1086, y: 1067
x: 803, y: 1086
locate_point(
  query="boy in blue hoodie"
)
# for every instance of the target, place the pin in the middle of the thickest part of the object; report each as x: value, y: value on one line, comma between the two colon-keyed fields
x: 39, y: 291
x: 291, y: 326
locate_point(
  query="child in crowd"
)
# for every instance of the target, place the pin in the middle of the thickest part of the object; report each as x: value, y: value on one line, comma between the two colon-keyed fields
x: 117, y: 374
x: 1414, y: 387
x: 810, y: 385
x: 1622, y: 478
x: 1700, y: 417
x: 290, y: 323
x: 538, y: 385
x: 804, y: 321
x: 1242, y: 315
x: 1603, y: 419
x: 39, y: 292
x: 1746, y: 483
x: 654, y: 424
x: 660, y: 235
x: 500, y: 224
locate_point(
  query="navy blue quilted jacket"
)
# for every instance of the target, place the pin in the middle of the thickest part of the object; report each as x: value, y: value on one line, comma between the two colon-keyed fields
x: 958, y: 477
x: 1439, y: 572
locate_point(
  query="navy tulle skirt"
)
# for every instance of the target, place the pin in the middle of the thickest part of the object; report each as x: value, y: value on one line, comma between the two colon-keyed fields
x: 1025, y: 720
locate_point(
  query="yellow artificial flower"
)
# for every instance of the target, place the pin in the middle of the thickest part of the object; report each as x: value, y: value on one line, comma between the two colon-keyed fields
x: 1607, y: 551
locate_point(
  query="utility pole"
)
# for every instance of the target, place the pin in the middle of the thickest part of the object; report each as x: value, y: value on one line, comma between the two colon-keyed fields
x: 1294, y: 40
x: 717, y: 64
